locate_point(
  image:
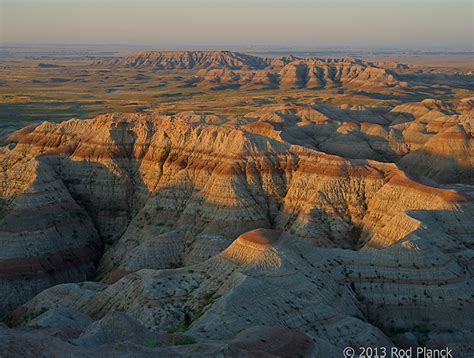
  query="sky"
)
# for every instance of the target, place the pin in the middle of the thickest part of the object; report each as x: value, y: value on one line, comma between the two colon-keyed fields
x: 212, y: 23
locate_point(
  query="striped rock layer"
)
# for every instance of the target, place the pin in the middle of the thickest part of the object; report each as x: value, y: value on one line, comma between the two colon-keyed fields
x: 348, y: 249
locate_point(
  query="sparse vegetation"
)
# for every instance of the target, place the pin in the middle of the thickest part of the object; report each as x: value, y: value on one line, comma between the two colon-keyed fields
x: 152, y: 343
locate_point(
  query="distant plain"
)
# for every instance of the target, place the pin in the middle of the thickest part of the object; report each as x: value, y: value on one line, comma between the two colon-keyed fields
x: 58, y: 88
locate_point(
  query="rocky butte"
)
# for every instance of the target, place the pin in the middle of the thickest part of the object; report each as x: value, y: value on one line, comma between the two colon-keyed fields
x: 292, y: 230
x: 236, y: 69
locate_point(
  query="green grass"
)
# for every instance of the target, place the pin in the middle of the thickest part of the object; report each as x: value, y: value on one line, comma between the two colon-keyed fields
x: 152, y: 343
x: 180, y: 329
x: 28, y: 94
x: 120, y: 346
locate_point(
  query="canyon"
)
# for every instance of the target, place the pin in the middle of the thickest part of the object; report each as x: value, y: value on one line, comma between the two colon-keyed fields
x: 294, y: 227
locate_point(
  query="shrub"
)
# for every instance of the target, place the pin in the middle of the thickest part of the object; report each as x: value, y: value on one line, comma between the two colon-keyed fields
x: 152, y: 343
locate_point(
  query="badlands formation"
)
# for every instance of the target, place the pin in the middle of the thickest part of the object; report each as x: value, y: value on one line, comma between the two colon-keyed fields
x: 291, y: 230
x: 232, y: 69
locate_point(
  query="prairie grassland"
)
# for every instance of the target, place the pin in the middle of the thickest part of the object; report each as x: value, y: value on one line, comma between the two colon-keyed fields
x: 38, y: 89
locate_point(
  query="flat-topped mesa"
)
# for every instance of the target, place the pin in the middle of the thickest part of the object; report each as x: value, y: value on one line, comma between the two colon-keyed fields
x: 170, y: 60
x: 235, y: 69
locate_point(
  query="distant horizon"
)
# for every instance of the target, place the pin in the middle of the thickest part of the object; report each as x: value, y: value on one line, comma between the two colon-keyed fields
x: 323, y: 51
x: 298, y: 24
x: 231, y: 47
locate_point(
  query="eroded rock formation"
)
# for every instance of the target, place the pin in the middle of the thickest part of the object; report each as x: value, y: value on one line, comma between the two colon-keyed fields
x: 222, y: 69
x: 349, y: 247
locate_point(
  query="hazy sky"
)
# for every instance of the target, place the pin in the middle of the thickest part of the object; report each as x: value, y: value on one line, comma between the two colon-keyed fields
x: 207, y: 23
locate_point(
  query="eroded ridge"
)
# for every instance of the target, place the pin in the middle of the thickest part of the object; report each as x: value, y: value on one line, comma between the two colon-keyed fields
x: 216, y: 225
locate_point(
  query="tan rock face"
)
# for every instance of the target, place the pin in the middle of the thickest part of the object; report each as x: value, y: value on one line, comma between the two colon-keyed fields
x: 46, y: 237
x: 255, y: 249
x: 329, y: 294
x: 258, y: 218
x: 232, y: 68
x: 169, y: 60
x: 156, y: 157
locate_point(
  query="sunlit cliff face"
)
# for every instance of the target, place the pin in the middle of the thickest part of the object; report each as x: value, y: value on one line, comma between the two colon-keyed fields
x: 310, y: 202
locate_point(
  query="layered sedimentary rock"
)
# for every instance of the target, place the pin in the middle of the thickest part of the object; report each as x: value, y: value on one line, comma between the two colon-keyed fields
x: 428, y: 138
x: 256, y: 341
x: 140, y: 176
x: 266, y: 277
x: 226, y: 69
x: 447, y: 156
x: 46, y: 237
x: 265, y: 284
x: 170, y: 60
x: 348, y: 249
x: 318, y: 73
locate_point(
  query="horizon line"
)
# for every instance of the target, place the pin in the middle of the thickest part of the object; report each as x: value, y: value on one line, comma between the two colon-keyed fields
x: 273, y: 47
